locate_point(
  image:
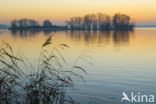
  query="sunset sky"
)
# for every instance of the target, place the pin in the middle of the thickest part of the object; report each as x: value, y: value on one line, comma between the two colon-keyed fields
x: 143, y: 11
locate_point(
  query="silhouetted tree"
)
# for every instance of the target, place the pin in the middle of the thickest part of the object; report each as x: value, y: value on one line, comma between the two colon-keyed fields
x: 101, y: 21
x: 70, y: 23
x: 122, y: 21
x: 14, y: 24
x: 24, y: 23
x: 75, y: 23
x: 87, y: 21
x: 47, y: 23
x: 90, y: 21
x: 104, y: 21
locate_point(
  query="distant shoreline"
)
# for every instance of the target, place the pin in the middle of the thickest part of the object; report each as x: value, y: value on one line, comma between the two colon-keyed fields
x: 77, y: 29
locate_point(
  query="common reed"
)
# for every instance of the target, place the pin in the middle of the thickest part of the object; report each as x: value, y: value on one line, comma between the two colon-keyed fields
x: 46, y: 85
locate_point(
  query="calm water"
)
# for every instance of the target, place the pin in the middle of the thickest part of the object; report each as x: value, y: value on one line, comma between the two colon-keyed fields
x: 122, y: 61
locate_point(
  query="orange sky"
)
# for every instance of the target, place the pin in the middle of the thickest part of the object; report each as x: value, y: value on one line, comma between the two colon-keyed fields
x: 143, y: 11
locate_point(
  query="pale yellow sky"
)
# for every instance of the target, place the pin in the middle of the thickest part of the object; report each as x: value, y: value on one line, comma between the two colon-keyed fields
x: 143, y: 11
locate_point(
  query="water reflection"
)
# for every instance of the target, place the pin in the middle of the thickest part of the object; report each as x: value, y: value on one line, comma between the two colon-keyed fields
x: 121, y: 38
x: 130, y: 69
x: 25, y: 33
x: 118, y: 38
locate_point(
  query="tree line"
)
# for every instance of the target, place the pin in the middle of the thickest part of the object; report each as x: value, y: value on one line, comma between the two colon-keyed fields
x: 29, y: 23
x: 97, y: 21
x: 101, y: 21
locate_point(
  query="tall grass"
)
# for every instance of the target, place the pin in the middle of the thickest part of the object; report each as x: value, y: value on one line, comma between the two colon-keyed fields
x: 46, y: 85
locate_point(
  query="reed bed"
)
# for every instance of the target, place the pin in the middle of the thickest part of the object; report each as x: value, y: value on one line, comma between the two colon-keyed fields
x: 46, y: 85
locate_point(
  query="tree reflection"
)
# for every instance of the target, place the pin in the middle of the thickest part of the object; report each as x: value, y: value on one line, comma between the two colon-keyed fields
x: 24, y: 33
x: 33, y: 32
x: 119, y: 38
x: 89, y: 37
x: 122, y: 37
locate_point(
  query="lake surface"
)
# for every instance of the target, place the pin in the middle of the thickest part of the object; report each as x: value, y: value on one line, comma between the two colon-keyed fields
x: 123, y: 61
